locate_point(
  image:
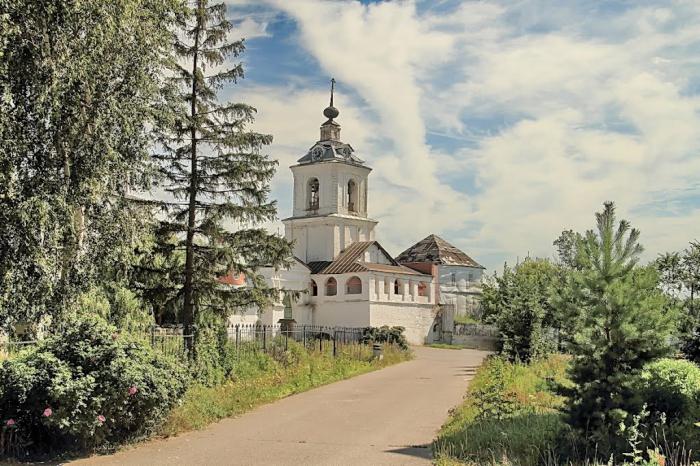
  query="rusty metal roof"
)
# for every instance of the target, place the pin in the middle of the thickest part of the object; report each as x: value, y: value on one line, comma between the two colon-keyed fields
x: 318, y: 266
x: 391, y: 269
x: 347, y: 261
x: 351, y: 260
x: 436, y: 250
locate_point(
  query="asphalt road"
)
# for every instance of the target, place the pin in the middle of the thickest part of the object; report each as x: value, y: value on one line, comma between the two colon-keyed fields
x: 386, y: 417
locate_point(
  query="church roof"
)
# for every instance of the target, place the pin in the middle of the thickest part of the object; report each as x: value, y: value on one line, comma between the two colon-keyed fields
x: 351, y: 260
x: 436, y: 250
x: 329, y: 147
x: 324, y: 151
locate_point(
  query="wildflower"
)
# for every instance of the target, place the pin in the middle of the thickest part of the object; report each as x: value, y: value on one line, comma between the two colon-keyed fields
x: 48, y: 412
x: 10, y: 422
x: 132, y: 390
x: 101, y: 419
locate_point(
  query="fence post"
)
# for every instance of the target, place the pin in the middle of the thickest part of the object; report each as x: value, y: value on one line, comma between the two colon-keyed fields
x: 286, y: 340
x: 264, y: 337
x: 335, y: 339
x: 303, y: 334
x: 153, y: 336
x: 238, y: 335
x: 320, y: 340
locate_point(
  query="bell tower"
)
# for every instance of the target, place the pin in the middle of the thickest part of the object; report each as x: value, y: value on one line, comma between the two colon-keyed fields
x: 330, y: 196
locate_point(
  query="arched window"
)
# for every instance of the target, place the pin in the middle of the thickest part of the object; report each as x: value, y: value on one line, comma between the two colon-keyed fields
x: 422, y: 289
x: 352, y: 196
x: 331, y: 287
x: 314, y: 288
x: 397, y: 287
x: 312, y: 194
x: 387, y: 285
x: 354, y: 286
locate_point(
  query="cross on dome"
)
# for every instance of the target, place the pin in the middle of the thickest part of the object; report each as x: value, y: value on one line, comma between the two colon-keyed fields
x: 331, y: 112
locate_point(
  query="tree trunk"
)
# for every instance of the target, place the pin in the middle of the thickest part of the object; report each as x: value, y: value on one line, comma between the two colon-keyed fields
x: 188, y: 312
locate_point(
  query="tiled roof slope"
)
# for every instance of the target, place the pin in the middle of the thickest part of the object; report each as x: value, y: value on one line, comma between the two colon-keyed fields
x: 351, y: 260
x: 436, y: 250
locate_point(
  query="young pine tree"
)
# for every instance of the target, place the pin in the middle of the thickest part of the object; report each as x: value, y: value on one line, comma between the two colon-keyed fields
x: 624, y: 323
x: 216, y: 174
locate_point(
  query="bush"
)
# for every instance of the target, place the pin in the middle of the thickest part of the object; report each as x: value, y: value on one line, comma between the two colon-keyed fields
x: 85, y: 387
x: 385, y: 334
x: 672, y: 387
x: 691, y: 346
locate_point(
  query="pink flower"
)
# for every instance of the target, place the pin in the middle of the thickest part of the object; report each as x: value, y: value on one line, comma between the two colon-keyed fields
x: 10, y: 422
x: 132, y: 390
x: 101, y: 419
x: 48, y: 412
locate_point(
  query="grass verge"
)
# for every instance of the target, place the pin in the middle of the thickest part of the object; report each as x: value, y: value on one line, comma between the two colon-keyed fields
x: 261, y: 379
x: 509, y: 416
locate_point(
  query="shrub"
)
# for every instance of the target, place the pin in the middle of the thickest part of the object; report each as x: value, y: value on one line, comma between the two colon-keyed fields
x: 385, y: 334
x: 672, y: 387
x: 87, y: 386
x: 691, y: 346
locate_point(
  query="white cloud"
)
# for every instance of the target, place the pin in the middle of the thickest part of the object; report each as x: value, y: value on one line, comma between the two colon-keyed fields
x: 594, y: 105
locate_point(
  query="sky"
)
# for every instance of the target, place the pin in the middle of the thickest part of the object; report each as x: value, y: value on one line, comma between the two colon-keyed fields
x: 495, y: 125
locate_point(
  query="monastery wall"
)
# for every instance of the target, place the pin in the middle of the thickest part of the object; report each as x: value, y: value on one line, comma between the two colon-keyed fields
x: 417, y: 319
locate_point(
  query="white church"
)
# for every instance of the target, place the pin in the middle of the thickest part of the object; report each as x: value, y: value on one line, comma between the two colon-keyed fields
x: 346, y: 277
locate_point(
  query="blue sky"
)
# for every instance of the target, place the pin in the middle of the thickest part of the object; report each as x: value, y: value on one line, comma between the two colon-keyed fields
x: 493, y: 124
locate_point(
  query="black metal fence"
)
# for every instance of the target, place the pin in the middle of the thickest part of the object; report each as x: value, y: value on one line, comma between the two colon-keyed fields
x: 246, y: 339
x: 273, y: 338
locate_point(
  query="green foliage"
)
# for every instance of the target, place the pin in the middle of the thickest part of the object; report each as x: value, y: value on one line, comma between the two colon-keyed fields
x: 212, y: 167
x: 510, y: 411
x: 680, y: 278
x: 691, y: 346
x: 214, y: 358
x: 87, y: 386
x: 518, y: 303
x: 385, y: 334
x: 117, y: 305
x: 672, y: 387
x: 624, y: 323
x: 80, y: 86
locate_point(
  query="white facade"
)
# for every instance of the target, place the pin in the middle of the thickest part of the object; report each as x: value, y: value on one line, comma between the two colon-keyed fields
x: 347, y: 278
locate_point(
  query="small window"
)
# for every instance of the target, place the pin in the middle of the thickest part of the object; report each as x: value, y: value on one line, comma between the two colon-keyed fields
x: 313, y: 194
x: 453, y: 279
x: 352, y: 196
x: 471, y: 277
x: 331, y: 287
x: 397, y: 287
x: 287, y: 306
x: 354, y: 285
x: 422, y: 289
x: 314, y: 288
x: 387, y: 286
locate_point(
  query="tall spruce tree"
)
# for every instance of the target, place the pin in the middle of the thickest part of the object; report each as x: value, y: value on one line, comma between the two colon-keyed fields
x: 79, y: 86
x: 217, y: 176
x: 624, y: 323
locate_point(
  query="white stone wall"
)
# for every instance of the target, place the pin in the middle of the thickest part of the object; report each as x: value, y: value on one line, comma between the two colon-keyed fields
x: 323, y: 238
x: 418, y: 319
